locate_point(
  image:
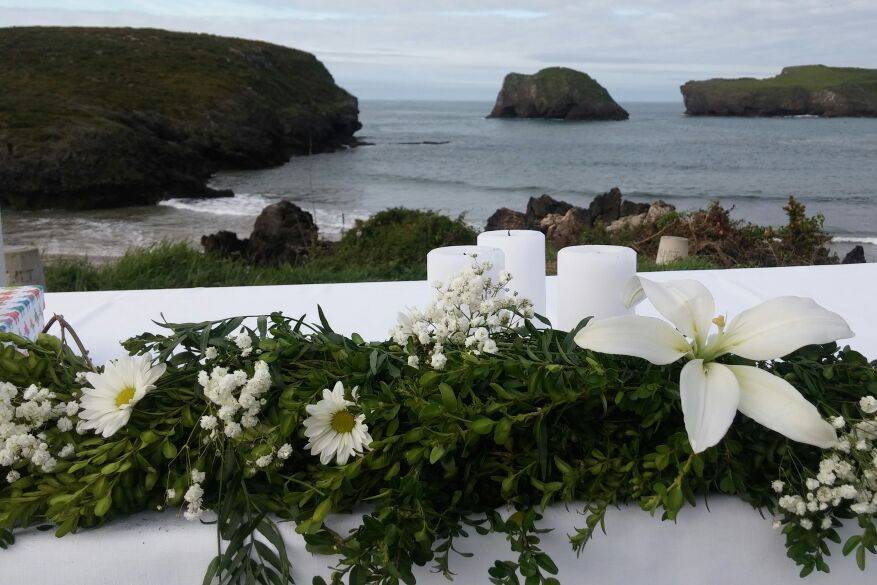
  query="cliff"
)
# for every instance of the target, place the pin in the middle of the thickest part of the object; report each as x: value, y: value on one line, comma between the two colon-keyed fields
x: 103, y: 117
x: 556, y: 92
x: 804, y: 90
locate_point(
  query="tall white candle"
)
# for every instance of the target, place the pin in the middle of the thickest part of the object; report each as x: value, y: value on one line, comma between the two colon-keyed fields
x: 442, y: 264
x: 524, y: 259
x: 590, y: 280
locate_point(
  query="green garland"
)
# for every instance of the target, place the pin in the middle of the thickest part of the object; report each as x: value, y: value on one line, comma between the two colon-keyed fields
x: 541, y: 422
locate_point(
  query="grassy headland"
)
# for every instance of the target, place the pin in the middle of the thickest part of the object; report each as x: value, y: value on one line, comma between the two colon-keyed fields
x: 98, y: 117
x: 392, y: 245
x: 801, y: 90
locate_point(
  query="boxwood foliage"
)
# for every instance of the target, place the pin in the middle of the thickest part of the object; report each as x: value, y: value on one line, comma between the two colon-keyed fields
x: 480, y: 447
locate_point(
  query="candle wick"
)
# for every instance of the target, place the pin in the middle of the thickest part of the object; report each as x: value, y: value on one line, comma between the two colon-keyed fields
x: 510, y: 233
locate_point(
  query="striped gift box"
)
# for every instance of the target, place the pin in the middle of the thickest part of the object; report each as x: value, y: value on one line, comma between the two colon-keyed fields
x: 21, y: 310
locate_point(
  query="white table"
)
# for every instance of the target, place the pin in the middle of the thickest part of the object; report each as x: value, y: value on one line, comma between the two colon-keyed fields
x: 102, y: 319
x: 730, y: 545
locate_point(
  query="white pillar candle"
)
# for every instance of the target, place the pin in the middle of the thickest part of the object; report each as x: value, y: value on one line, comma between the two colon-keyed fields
x: 442, y: 264
x: 590, y: 281
x: 524, y: 259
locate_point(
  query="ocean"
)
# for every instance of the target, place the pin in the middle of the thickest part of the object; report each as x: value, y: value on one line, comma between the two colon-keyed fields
x: 447, y: 156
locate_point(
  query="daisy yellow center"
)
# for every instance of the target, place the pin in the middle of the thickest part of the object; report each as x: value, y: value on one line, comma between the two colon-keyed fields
x: 343, y: 422
x: 125, y: 396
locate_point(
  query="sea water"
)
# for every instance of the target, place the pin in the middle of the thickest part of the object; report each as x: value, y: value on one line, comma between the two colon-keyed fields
x: 447, y: 156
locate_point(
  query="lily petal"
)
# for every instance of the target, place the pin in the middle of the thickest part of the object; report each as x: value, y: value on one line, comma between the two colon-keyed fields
x: 778, y: 327
x: 632, y: 294
x: 686, y: 303
x: 710, y: 395
x: 649, y: 338
x: 771, y: 401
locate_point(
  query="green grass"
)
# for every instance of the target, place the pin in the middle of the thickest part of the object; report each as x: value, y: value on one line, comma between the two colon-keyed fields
x: 178, y: 265
x: 391, y: 245
x: 813, y: 77
x: 60, y: 76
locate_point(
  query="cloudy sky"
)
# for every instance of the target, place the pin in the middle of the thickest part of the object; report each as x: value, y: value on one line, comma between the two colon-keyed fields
x: 417, y: 49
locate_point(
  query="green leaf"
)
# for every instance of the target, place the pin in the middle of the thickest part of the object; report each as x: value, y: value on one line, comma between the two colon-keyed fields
x: 851, y: 543
x: 449, y: 400
x: 481, y: 426
x: 168, y: 450
x: 102, y: 506
x: 322, y: 510
x: 437, y: 453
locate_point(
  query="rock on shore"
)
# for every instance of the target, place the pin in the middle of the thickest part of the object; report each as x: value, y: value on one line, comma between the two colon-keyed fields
x: 555, y: 92
x: 814, y: 90
x: 563, y: 223
x: 283, y: 233
x: 105, y: 117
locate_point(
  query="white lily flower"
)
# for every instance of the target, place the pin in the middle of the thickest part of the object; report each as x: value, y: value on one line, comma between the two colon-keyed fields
x: 711, y: 392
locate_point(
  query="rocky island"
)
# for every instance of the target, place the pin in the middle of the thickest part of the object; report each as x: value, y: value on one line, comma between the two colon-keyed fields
x: 815, y: 90
x: 555, y: 92
x: 105, y: 117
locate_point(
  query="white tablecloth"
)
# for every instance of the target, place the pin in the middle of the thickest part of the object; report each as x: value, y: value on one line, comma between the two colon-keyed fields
x: 102, y: 319
x: 730, y: 545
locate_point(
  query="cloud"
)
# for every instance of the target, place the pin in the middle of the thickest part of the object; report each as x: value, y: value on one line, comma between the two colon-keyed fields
x: 638, y: 49
x: 499, y: 13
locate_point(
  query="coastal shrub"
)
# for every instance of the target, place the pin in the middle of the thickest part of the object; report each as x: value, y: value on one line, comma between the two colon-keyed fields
x: 715, y: 237
x: 400, y: 238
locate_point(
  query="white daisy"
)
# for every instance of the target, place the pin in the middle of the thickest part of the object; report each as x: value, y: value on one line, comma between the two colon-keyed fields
x: 332, y: 430
x: 106, y: 406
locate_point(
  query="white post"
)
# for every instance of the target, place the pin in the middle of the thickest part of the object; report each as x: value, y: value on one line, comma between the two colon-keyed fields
x: 2, y: 255
x: 671, y: 248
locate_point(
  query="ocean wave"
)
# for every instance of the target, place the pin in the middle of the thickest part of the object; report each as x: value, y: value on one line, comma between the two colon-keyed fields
x: 855, y: 240
x: 242, y: 204
x: 332, y: 222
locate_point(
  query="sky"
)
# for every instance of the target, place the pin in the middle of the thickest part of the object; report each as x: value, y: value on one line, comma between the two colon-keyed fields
x: 640, y: 50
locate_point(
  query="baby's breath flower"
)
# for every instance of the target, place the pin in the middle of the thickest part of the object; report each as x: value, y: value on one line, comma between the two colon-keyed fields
x: 284, y: 451
x: 467, y: 312
x: 868, y: 404
x: 777, y: 486
x: 838, y: 422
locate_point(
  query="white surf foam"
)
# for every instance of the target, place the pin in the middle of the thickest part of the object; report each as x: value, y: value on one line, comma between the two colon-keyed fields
x: 855, y: 240
x: 332, y: 222
x: 242, y: 204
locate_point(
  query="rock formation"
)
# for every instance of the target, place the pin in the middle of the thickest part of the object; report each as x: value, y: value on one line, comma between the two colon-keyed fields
x: 655, y: 211
x: 555, y: 92
x: 855, y: 256
x: 283, y: 234
x: 540, y: 207
x: 104, y: 117
x: 506, y: 219
x: 563, y: 223
x: 805, y: 90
